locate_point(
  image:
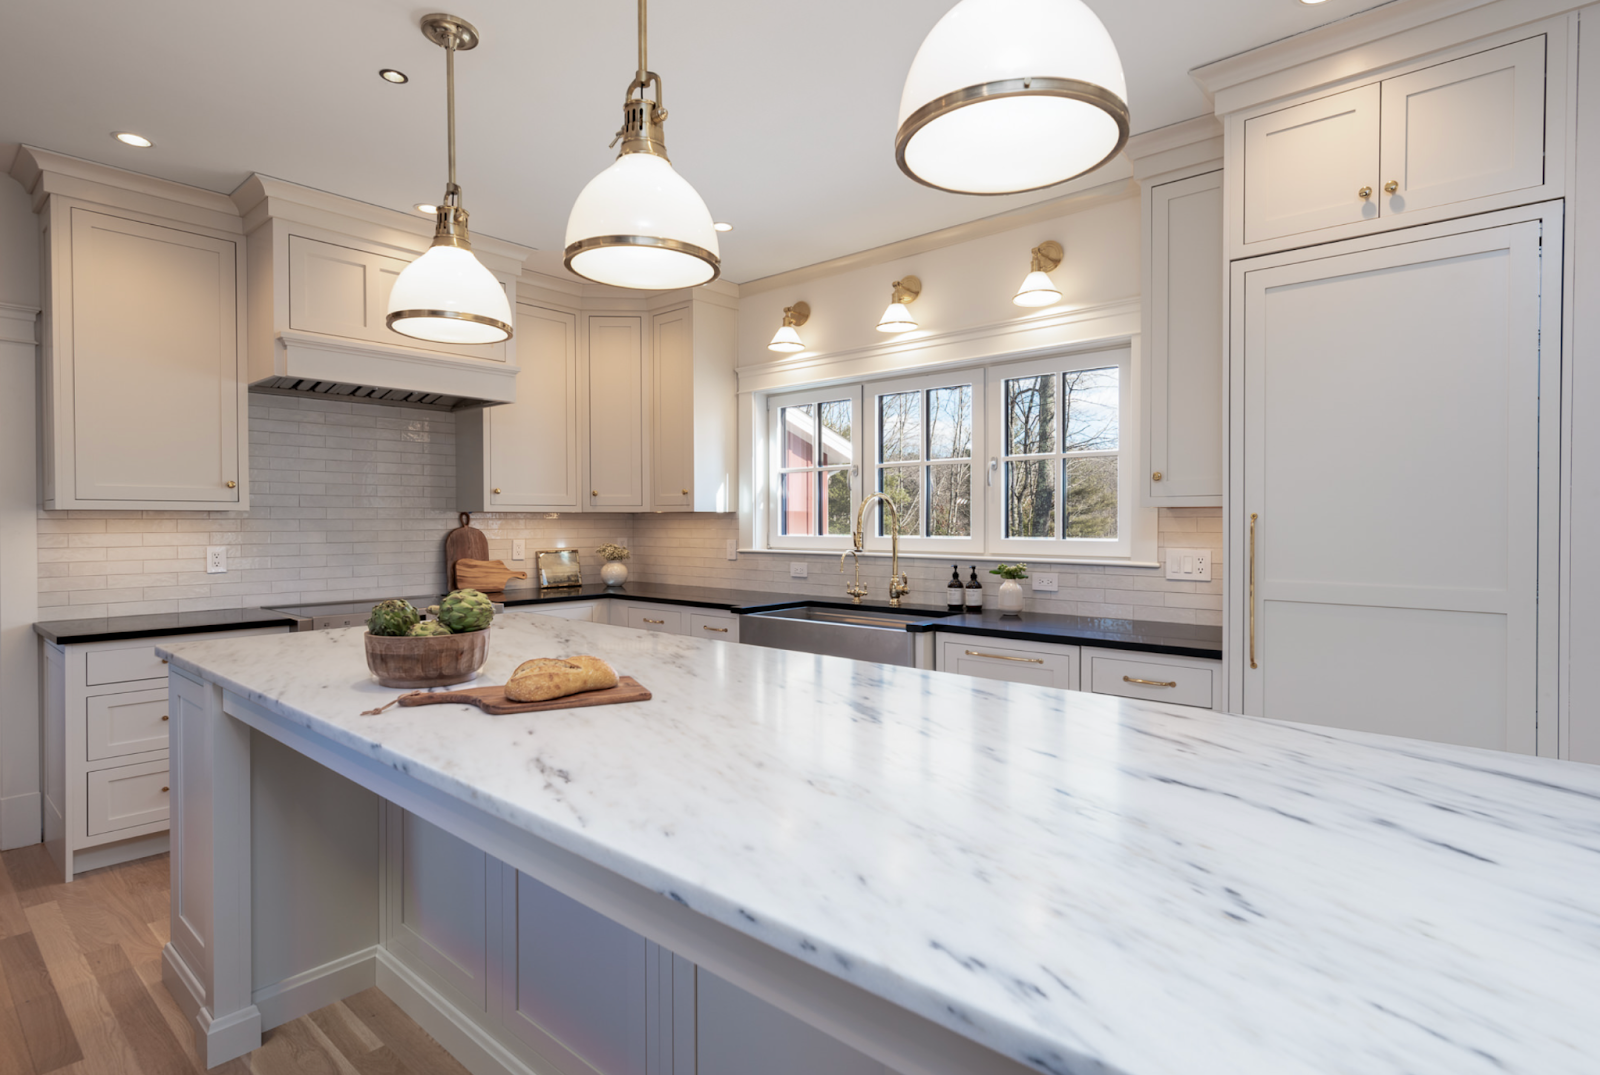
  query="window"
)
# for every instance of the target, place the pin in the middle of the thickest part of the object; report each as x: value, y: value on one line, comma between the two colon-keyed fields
x: 1012, y: 461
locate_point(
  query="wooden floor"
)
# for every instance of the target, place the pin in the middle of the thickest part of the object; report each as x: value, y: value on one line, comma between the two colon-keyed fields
x: 81, y: 992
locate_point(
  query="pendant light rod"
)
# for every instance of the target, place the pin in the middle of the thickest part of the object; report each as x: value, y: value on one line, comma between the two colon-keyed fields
x: 644, y: 37
x: 450, y: 102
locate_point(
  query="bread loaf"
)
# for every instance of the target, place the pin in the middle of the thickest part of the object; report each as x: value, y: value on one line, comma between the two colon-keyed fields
x: 543, y: 678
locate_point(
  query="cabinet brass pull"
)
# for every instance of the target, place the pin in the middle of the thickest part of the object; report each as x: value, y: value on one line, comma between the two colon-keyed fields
x: 163, y: 660
x: 1391, y: 186
x: 1003, y: 657
x: 594, y: 492
x: 686, y: 492
x: 497, y: 491
x: 719, y: 630
x: 166, y: 789
x: 647, y: 619
x: 1365, y: 192
x: 1156, y: 476
x: 1253, y: 517
x: 233, y: 485
x: 1148, y: 682
x: 163, y: 716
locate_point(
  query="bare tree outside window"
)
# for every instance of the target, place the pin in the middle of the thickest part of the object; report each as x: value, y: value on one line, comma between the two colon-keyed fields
x: 1084, y: 468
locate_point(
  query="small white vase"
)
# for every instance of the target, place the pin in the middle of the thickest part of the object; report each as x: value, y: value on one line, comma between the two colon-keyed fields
x: 614, y: 572
x: 1009, y: 601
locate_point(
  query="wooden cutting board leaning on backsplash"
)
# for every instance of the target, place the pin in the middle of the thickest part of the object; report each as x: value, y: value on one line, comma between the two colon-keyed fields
x: 466, y: 542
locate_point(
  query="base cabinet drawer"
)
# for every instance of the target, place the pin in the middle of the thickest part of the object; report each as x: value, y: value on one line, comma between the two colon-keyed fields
x: 1152, y: 680
x: 128, y: 796
x: 124, y: 665
x: 716, y: 628
x: 1012, y: 661
x: 650, y: 618
x: 131, y: 723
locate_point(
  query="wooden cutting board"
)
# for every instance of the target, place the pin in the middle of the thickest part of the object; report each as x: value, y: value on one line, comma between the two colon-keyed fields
x: 493, y: 699
x: 466, y: 542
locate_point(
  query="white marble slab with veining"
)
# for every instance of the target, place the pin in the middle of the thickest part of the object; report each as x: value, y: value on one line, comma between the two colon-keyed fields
x: 1080, y: 882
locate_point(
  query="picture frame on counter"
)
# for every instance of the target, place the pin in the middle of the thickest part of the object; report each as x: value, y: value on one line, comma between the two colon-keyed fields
x: 559, y: 568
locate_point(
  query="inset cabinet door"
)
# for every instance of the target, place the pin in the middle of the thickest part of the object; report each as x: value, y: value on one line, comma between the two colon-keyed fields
x: 531, y: 452
x: 153, y: 398
x: 438, y: 911
x: 1465, y: 129
x: 1306, y: 165
x: 1185, y: 397
x: 616, y: 414
x: 672, y: 456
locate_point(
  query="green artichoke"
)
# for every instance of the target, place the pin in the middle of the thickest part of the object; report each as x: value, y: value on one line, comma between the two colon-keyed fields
x: 466, y: 610
x: 429, y: 628
x: 393, y: 617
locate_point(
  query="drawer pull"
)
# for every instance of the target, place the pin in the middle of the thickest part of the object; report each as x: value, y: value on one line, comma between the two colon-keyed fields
x: 163, y: 660
x: 163, y: 716
x: 165, y: 788
x: 1003, y: 657
x: 497, y: 491
x: 647, y: 619
x: 1149, y: 682
x: 719, y: 630
x: 594, y: 492
x: 233, y: 485
x: 686, y: 492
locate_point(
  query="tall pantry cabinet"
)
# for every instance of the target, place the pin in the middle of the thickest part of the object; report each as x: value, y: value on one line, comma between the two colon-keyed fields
x: 1394, y: 370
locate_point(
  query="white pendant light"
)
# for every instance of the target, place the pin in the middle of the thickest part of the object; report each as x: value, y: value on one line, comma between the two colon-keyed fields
x: 446, y: 295
x: 787, y: 340
x: 1037, y: 288
x: 897, y: 318
x: 640, y: 224
x: 1012, y: 95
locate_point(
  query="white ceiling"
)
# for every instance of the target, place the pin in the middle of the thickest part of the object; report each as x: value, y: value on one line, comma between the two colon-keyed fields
x: 782, y: 115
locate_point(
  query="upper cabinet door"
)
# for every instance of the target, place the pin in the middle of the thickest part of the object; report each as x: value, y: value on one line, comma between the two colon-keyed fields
x: 673, y: 447
x: 1305, y: 166
x: 150, y: 383
x: 1465, y: 129
x: 616, y: 414
x: 1186, y: 369
x: 533, y: 443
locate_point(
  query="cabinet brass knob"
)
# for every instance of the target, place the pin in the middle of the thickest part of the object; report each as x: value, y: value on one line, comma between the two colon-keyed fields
x: 163, y: 716
x: 1156, y: 476
x: 497, y: 491
x: 1391, y: 186
x: 166, y: 789
x: 594, y: 492
x: 1365, y: 192
x: 163, y: 660
x: 233, y: 485
x: 686, y: 492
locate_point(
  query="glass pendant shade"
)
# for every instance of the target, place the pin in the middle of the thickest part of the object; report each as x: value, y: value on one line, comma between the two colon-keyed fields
x: 1037, y: 290
x: 1012, y: 95
x: 787, y: 340
x: 640, y: 224
x: 447, y: 296
x: 896, y: 319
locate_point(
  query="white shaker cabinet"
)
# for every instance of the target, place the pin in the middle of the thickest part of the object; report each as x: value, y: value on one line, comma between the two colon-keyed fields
x: 693, y: 454
x: 144, y: 390
x: 524, y: 456
x: 1184, y: 392
x: 1306, y: 165
x: 618, y: 392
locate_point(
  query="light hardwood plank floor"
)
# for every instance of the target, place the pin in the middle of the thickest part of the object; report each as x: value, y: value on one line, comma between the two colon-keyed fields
x: 81, y: 992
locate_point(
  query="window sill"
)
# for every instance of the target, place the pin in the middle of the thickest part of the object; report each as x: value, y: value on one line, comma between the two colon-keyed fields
x: 884, y: 554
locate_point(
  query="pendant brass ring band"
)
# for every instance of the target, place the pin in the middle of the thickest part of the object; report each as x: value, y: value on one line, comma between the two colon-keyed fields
x: 677, y: 246
x: 1070, y: 88
x: 448, y: 315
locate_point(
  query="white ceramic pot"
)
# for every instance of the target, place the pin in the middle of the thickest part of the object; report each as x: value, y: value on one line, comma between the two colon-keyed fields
x: 1009, y: 601
x: 614, y: 572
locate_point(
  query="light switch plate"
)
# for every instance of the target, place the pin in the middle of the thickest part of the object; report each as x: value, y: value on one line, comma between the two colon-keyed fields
x: 216, y: 559
x: 1189, y: 565
x: 797, y: 570
x: 1047, y: 582
x: 733, y: 549
x: 519, y: 549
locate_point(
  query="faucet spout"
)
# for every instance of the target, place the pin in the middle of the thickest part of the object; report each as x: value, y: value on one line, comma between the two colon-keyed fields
x: 854, y: 589
x: 899, y: 584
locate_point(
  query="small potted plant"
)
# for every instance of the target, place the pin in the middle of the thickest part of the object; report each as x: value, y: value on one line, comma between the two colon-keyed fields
x: 614, y: 572
x: 406, y: 650
x: 1010, y: 597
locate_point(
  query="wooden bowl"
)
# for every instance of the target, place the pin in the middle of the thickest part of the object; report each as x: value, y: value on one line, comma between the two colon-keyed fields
x: 426, y: 660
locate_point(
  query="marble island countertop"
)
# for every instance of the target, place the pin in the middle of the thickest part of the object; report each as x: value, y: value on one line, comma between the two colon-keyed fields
x: 1083, y: 883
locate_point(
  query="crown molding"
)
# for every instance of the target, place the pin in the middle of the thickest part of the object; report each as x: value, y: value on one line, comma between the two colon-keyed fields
x: 43, y: 173
x: 1189, y: 144
x: 1075, y: 202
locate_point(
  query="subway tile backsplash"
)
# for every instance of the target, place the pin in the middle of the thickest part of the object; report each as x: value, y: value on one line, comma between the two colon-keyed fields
x: 352, y: 500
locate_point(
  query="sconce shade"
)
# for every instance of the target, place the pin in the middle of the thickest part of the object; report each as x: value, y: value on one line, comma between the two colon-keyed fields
x: 1037, y: 290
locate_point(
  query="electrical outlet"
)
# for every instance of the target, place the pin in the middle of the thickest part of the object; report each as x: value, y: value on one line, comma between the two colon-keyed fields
x: 519, y: 548
x: 1189, y: 565
x: 733, y: 549
x: 1047, y: 582
x: 216, y: 559
x: 797, y: 570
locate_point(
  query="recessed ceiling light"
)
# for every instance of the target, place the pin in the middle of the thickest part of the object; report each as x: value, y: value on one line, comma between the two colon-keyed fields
x: 720, y: 226
x: 389, y: 74
x: 128, y: 138
x: 425, y: 209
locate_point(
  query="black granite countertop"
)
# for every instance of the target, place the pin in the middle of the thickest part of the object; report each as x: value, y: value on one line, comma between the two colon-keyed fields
x: 116, y: 628
x: 1145, y: 636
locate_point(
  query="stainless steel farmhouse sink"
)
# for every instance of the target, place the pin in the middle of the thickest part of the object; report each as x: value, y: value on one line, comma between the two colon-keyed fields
x: 864, y: 634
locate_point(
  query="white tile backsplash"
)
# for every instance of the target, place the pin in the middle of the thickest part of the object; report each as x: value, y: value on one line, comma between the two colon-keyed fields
x: 353, y: 500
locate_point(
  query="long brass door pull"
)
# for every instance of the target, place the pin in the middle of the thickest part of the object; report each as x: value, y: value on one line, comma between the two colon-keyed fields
x: 1149, y: 682
x: 1003, y: 657
x: 1253, y: 518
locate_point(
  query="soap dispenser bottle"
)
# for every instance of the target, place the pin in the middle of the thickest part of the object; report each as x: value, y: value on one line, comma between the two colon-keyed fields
x: 955, y: 594
x: 974, y: 591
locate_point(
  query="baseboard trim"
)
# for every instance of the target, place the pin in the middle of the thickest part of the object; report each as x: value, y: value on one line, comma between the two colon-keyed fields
x: 93, y: 858
x: 459, y: 1033
x: 216, y: 1040
x: 316, y: 988
x: 21, y: 820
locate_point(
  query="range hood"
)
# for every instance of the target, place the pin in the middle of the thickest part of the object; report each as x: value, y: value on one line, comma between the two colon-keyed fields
x: 320, y: 271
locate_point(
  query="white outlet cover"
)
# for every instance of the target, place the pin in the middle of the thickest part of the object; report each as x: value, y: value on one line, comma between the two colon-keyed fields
x: 216, y: 559
x: 519, y: 549
x: 1047, y: 582
x: 733, y: 549
x: 797, y: 570
x: 1189, y: 565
